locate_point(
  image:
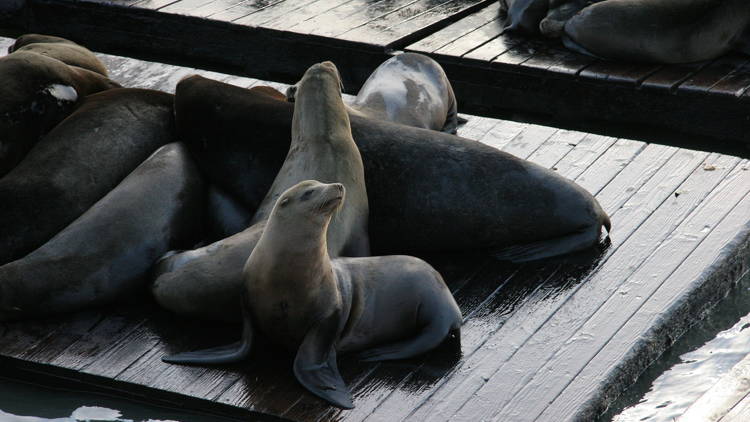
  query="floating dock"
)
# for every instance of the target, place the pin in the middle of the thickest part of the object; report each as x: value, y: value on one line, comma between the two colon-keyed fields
x: 553, y: 341
x: 493, y: 74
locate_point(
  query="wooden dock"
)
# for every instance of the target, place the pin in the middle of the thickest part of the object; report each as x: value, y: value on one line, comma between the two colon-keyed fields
x: 703, y: 105
x: 552, y: 341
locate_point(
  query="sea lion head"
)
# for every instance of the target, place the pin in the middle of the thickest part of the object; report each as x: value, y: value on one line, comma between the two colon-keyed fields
x: 309, y: 200
x: 325, y: 72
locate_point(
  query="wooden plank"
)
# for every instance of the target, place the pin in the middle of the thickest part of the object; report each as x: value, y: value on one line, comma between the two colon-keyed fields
x: 724, y: 395
x: 644, y: 194
x: 669, y: 77
x: 520, y: 52
x: 183, y: 7
x: 372, y: 30
x: 735, y: 83
x: 243, y: 9
x: 462, y: 28
x: 345, y: 16
x: 643, y: 335
x: 308, y: 11
x: 115, y: 327
x: 740, y: 413
x: 612, y: 72
x: 153, y: 4
x: 488, y: 51
x: 214, y: 7
x: 707, y: 77
x: 626, y: 289
x: 475, y: 39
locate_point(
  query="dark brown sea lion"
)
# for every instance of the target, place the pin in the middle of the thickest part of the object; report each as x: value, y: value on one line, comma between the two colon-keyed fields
x: 389, y: 307
x: 428, y: 191
x: 36, y: 93
x: 322, y: 148
x: 664, y: 31
x: 108, y: 251
x: 61, y: 49
x: 523, y: 16
x: 78, y: 162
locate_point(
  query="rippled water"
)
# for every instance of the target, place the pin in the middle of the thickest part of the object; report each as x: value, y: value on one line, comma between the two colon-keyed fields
x: 692, y: 366
x: 27, y: 402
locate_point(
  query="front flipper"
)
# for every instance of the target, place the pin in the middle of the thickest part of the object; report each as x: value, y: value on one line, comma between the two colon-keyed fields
x: 229, y: 353
x: 315, y: 365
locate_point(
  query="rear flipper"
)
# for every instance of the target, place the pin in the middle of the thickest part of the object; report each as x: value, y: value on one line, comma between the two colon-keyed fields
x: 549, y: 248
x: 574, y: 46
x: 315, y: 364
x: 229, y: 353
x: 429, y: 338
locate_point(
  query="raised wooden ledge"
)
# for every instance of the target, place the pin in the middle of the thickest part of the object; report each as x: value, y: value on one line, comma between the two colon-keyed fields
x: 704, y: 106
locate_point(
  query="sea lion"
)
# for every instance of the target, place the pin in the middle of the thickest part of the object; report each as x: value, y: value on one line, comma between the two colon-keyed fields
x: 560, y: 11
x: 523, y: 16
x: 665, y: 31
x: 389, y: 307
x: 225, y: 216
x: 78, y: 162
x: 108, y: 251
x: 428, y: 191
x: 410, y: 89
x: 61, y: 49
x: 36, y: 93
x: 321, y: 148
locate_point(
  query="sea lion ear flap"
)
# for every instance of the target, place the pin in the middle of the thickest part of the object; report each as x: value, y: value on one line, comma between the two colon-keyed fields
x: 315, y: 365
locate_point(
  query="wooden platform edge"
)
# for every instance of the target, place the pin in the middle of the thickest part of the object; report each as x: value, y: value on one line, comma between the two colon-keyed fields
x: 697, y: 121
x: 716, y: 282
x: 52, y: 376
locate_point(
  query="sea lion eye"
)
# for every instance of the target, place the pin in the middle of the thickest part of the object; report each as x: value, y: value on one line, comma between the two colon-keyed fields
x: 305, y: 196
x: 284, y: 202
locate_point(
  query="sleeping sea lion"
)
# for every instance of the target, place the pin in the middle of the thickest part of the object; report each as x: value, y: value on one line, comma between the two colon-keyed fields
x: 37, y: 92
x: 108, y: 251
x: 61, y: 49
x: 389, y: 307
x: 664, y: 31
x: 410, y: 89
x: 78, y: 162
x: 322, y: 148
x: 428, y: 191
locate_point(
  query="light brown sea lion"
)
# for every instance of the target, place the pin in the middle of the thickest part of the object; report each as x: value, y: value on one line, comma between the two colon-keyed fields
x: 411, y: 89
x: 108, y: 251
x: 322, y: 148
x: 61, y: 49
x: 389, y: 307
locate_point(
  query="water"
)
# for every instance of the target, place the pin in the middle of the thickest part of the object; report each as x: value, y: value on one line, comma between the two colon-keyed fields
x: 30, y: 402
x: 692, y: 365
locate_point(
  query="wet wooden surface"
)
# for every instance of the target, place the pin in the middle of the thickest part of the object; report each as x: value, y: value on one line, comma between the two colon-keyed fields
x: 549, y: 341
x: 493, y: 74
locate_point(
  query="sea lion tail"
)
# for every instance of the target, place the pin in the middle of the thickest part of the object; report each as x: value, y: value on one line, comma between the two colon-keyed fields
x: 229, y: 353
